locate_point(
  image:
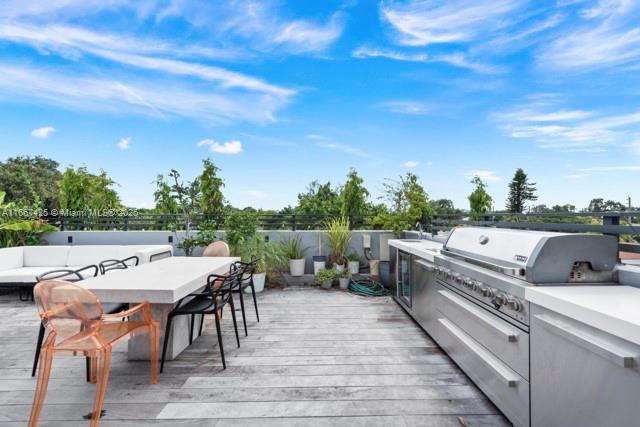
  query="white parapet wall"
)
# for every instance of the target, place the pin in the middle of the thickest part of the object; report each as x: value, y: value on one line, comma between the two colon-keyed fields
x: 314, y: 240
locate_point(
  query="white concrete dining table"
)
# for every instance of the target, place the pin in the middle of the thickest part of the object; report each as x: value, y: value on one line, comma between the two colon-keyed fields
x: 163, y: 283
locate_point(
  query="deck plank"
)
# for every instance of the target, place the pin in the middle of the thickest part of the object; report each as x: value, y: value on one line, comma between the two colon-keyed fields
x: 317, y: 358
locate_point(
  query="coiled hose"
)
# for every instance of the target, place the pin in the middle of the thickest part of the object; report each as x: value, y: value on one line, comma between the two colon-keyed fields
x: 367, y: 288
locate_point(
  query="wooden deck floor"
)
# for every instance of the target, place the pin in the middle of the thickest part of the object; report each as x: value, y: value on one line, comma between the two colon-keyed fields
x: 317, y: 358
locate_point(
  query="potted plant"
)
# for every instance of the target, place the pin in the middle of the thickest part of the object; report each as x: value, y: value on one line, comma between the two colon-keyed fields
x: 354, y: 263
x: 188, y: 244
x: 271, y: 259
x: 325, y: 277
x: 344, y: 277
x: 338, y: 237
x: 255, y: 247
x: 294, y: 251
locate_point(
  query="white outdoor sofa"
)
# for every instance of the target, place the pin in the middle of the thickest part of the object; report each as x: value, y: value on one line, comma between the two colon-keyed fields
x: 20, y: 266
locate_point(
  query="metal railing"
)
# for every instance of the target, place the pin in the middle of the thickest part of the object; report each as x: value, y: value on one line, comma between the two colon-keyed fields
x: 170, y: 222
x: 624, y: 223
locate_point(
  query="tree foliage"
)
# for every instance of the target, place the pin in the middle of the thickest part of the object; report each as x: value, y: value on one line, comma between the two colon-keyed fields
x: 480, y: 201
x: 354, y: 197
x: 520, y: 192
x: 80, y: 190
x: 443, y: 207
x: 31, y: 181
x: 239, y: 228
x: 408, y: 204
x: 211, y: 201
x: 319, y: 199
x: 602, y: 205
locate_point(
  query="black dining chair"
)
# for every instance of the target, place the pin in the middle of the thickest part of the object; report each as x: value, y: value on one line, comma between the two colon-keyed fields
x: 246, y: 281
x: 70, y: 276
x: 216, y: 295
x: 118, y: 264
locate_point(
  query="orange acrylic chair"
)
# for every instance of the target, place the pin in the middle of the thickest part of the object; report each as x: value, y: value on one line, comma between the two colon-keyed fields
x: 217, y: 249
x: 78, y: 325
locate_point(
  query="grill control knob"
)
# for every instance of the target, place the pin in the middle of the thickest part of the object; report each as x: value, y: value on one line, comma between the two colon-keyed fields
x: 487, y: 292
x: 476, y: 286
x: 459, y: 279
x: 514, y: 304
x: 468, y: 283
x: 502, y: 299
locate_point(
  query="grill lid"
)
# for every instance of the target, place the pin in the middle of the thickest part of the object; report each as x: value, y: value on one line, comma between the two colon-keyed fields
x: 537, y: 256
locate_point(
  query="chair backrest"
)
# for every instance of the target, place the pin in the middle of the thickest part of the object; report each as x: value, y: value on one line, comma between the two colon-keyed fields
x: 247, y: 269
x: 62, y: 274
x: 223, y: 285
x: 217, y: 249
x: 67, y: 308
x: 118, y: 264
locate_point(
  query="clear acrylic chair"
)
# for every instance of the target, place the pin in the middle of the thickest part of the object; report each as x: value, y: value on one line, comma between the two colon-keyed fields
x: 78, y: 324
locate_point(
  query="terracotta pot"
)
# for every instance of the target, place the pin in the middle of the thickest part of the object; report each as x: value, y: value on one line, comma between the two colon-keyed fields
x: 344, y: 283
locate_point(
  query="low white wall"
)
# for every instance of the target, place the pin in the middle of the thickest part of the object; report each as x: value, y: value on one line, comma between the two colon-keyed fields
x: 314, y: 240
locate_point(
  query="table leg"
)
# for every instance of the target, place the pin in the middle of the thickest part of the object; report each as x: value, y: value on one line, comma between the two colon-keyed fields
x: 178, y: 340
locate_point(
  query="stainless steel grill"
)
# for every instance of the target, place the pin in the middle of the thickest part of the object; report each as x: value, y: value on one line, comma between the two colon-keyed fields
x: 485, y: 272
x: 493, y: 266
x: 473, y: 303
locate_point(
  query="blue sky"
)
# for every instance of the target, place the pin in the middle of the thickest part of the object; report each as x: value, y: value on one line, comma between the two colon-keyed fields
x: 279, y: 93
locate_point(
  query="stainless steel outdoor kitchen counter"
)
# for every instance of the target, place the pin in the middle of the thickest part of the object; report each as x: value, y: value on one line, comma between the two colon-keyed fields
x: 612, y: 309
x: 536, y: 319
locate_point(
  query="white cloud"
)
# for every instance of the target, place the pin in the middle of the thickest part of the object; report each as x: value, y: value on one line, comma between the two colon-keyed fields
x: 421, y: 23
x: 325, y: 142
x: 304, y: 36
x: 609, y: 36
x: 568, y: 130
x: 124, y: 143
x: 364, y: 52
x: 153, y: 96
x: 462, y: 60
x: 229, y: 147
x: 259, y: 23
x: 317, y: 137
x: 43, y: 132
x: 72, y: 42
x: 456, y: 59
x: 407, y: 107
x: 410, y: 164
x: 485, y: 175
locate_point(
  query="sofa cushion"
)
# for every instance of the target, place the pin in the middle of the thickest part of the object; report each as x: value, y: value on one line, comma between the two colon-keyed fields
x: 11, y: 258
x: 153, y: 253
x: 26, y: 274
x: 92, y: 254
x: 45, y: 256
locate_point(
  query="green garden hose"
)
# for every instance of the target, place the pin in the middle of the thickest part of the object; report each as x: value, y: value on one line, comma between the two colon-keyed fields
x: 367, y: 288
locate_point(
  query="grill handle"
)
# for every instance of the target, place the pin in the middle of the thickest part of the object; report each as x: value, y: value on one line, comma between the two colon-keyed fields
x: 587, y: 341
x: 509, y: 334
x: 508, y: 378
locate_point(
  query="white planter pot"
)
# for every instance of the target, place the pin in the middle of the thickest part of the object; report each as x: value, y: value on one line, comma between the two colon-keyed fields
x: 344, y: 283
x: 326, y: 284
x: 317, y: 266
x: 339, y: 267
x: 258, y: 282
x: 354, y: 267
x: 296, y: 267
